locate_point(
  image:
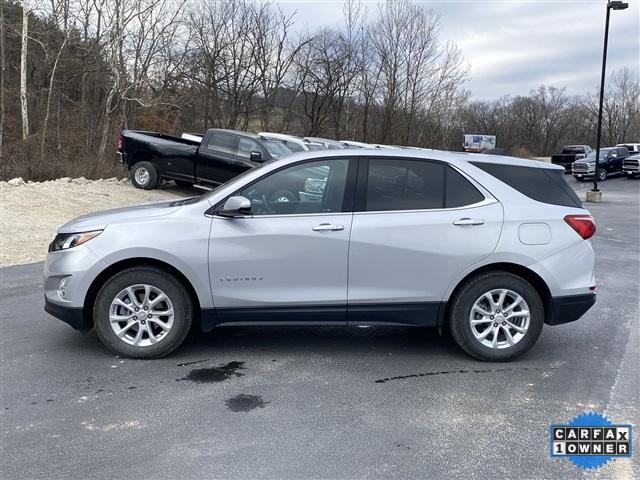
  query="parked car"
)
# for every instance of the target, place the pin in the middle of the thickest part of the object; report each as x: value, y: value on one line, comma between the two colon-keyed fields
x: 326, y: 143
x: 570, y: 154
x: 631, y: 165
x: 610, y: 162
x: 217, y: 158
x: 632, y: 147
x: 295, y: 144
x: 489, y: 247
x: 354, y: 144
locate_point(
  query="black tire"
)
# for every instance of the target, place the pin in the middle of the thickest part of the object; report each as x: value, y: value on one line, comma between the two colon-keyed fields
x: 168, y: 284
x: 137, y: 175
x: 602, y: 174
x: 464, y: 301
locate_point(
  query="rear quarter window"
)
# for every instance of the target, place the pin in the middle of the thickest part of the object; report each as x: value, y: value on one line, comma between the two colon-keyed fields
x: 542, y: 184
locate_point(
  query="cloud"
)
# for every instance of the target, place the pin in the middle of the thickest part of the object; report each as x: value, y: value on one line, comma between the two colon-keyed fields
x: 515, y: 46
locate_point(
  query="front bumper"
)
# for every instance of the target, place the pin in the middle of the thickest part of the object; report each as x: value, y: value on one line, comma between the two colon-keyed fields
x: 73, y: 316
x: 569, y: 308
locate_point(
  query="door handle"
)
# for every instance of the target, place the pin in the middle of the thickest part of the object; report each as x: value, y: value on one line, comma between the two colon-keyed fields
x: 327, y: 227
x: 469, y: 221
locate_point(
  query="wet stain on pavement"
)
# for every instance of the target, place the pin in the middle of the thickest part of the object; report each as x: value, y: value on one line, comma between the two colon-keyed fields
x: 450, y: 372
x: 215, y: 374
x: 192, y: 363
x: 245, y: 403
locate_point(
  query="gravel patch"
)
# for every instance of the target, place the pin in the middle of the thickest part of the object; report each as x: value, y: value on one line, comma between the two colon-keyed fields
x: 31, y: 212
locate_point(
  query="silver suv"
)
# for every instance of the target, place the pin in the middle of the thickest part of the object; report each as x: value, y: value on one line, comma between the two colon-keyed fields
x: 489, y: 247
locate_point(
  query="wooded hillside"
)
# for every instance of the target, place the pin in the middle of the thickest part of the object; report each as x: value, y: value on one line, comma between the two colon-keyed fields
x: 74, y: 72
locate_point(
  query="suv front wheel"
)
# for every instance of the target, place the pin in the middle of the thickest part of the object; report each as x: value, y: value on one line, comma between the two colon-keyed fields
x: 142, y: 312
x: 496, y: 317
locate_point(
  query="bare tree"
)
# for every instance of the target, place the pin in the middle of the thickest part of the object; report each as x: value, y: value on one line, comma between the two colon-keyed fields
x: 2, y: 79
x: 23, y: 71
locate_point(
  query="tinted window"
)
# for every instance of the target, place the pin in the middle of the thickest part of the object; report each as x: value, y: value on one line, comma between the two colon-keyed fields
x: 312, y: 187
x: 246, y: 146
x: 460, y: 191
x: 222, y: 142
x: 541, y: 184
x: 394, y: 184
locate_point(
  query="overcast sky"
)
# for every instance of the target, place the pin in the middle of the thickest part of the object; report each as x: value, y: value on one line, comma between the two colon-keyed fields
x: 514, y: 46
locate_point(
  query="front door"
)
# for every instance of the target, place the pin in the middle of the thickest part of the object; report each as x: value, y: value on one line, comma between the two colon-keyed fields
x: 287, y: 261
x: 417, y: 224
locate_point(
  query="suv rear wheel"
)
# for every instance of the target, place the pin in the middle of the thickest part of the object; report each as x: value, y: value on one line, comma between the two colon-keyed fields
x: 496, y: 317
x: 142, y: 312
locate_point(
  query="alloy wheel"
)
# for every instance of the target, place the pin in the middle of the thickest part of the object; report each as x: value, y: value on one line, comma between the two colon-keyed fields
x: 141, y: 315
x: 499, y: 318
x: 142, y: 176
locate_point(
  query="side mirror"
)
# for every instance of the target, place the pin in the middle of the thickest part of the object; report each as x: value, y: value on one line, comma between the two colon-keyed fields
x: 255, y: 157
x: 235, y: 207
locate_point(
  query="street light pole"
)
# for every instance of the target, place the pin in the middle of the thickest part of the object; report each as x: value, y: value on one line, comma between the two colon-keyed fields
x: 611, y: 5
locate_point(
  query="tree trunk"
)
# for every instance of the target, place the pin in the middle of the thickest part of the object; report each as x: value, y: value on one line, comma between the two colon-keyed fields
x: 2, y: 74
x: 45, y: 123
x: 23, y: 73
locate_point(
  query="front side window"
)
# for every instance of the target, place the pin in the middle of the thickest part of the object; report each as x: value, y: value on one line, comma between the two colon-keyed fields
x: 222, y: 142
x: 246, y: 146
x: 395, y: 184
x: 311, y: 187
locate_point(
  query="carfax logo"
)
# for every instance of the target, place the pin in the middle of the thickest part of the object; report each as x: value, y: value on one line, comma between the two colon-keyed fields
x: 590, y: 440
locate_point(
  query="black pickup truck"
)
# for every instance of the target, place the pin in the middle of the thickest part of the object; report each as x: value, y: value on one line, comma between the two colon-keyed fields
x: 570, y: 154
x: 220, y: 156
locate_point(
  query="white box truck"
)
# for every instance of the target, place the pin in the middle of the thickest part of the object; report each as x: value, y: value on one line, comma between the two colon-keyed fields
x: 479, y: 143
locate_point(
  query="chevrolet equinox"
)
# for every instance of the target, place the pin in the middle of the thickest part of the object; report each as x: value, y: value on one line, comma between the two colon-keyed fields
x: 489, y: 247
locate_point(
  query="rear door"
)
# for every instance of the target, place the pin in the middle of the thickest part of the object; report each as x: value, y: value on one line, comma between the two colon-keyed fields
x: 417, y: 224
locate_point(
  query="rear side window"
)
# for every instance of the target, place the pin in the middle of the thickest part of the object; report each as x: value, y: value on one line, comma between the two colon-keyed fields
x: 460, y: 191
x: 542, y: 184
x: 394, y: 184
x: 222, y: 142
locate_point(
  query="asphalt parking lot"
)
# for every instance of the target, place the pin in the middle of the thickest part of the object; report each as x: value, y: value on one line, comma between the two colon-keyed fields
x: 320, y: 402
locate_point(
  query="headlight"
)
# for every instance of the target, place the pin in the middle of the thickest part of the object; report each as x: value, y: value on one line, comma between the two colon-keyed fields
x: 64, y: 241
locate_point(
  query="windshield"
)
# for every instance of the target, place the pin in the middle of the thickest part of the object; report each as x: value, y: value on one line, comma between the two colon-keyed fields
x: 314, y: 146
x: 603, y: 153
x: 276, y: 149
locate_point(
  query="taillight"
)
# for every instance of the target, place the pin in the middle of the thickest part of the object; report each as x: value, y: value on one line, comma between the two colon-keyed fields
x: 584, y: 225
x: 120, y: 142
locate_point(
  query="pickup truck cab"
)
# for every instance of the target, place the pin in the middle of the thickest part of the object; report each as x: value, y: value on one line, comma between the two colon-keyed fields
x: 610, y: 162
x: 220, y: 156
x: 570, y: 154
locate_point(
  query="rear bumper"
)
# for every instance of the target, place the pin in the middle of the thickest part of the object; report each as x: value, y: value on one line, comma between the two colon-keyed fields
x: 73, y: 316
x: 570, y: 308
